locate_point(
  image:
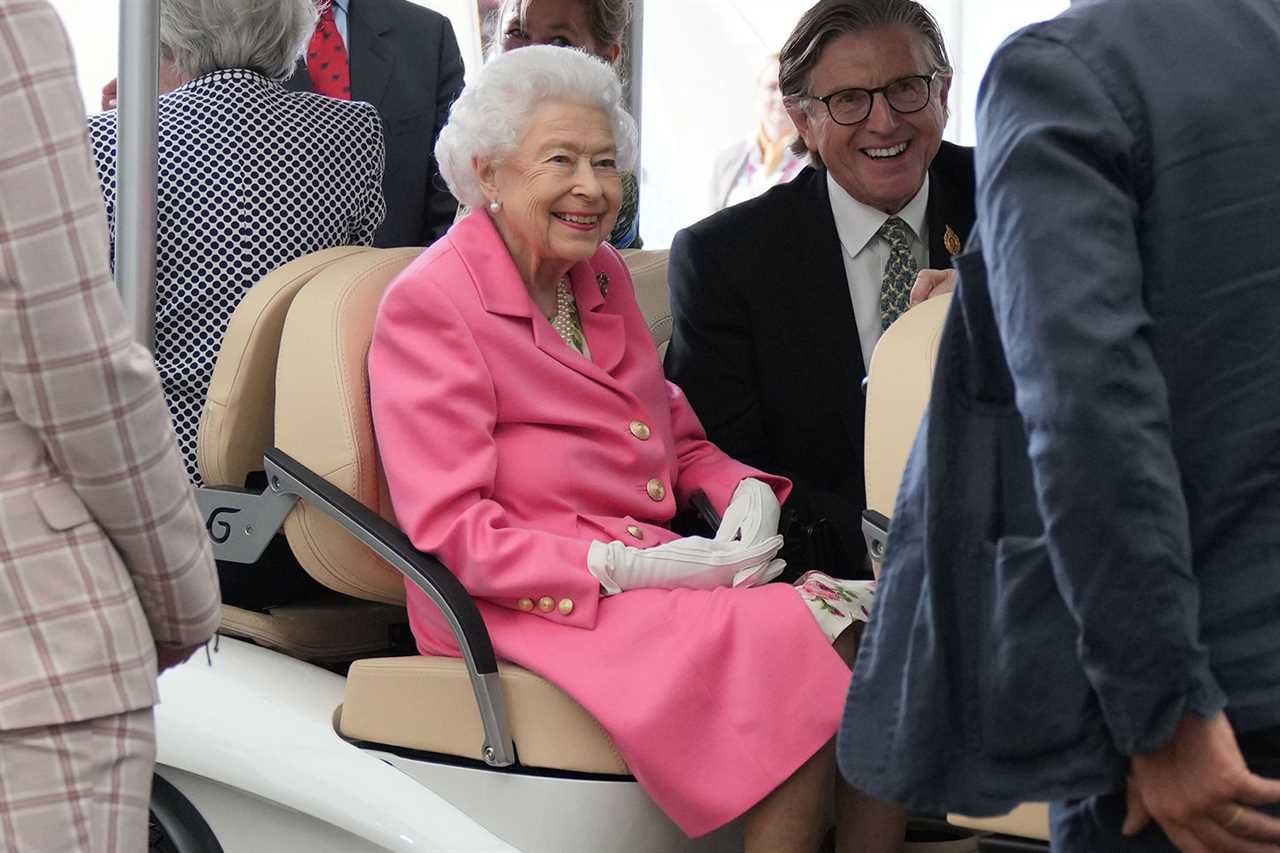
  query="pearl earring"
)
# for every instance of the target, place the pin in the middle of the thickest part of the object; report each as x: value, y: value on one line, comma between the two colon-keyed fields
x: 495, y: 206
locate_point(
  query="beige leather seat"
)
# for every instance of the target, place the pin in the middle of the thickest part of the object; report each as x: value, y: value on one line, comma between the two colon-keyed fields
x: 322, y: 420
x: 649, y: 274
x: 901, y: 379
x: 897, y: 391
x: 236, y: 427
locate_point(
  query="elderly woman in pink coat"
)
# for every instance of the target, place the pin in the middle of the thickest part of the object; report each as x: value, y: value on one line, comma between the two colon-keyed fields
x: 530, y: 441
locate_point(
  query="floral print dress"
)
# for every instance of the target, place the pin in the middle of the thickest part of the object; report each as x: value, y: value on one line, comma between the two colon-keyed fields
x: 836, y: 604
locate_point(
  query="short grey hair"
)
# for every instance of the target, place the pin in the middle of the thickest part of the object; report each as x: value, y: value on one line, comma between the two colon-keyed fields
x: 493, y: 112
x: 266, y: 36
x: 830, y: 19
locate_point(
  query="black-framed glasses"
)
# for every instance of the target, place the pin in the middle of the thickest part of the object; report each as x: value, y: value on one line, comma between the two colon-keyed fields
x: 905, y: 95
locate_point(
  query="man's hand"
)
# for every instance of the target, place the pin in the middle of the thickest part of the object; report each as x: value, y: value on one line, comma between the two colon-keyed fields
x: 931, y: 283
x: 1198, y: 788
x: 169, y: 79
x: 168, y: 657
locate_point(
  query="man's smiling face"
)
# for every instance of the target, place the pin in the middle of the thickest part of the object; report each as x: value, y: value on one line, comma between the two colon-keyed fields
x: 881, y: 161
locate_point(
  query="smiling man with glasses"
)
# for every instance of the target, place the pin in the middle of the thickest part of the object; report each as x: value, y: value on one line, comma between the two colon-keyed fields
x: 779, y: 301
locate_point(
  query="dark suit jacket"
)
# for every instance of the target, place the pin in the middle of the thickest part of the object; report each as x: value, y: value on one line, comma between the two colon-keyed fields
x: 1116, y: 566
x: 765, y: 343
x: 405, y: 61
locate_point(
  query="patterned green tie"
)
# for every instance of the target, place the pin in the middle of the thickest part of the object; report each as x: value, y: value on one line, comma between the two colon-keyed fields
x: 899, y: 272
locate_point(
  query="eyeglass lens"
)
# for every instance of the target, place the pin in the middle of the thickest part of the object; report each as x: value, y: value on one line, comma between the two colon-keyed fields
x: 908, y: 95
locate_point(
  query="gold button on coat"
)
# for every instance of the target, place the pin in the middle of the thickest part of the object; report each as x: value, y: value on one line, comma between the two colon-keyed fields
x: 525, y: 604
x: 566, y: 606
x: 635, y: 531
x: 656, y: 490
x: 546, y: 604
x: 640, y: 430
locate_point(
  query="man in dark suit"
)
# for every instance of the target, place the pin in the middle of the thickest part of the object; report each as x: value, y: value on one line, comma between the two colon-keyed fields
x: 779, y: 301
x: 404, y: 60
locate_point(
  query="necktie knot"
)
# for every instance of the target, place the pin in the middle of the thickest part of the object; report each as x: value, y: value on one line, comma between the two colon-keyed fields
x: 896, y: 232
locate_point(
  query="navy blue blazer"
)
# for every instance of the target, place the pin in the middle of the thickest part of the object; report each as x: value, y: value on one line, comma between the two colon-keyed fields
x: 405, y: 61
x: 1086, y: 547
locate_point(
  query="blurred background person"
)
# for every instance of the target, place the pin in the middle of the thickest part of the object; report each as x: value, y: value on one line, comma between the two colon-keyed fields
x: 764, y: 159
x: 251, y: 176
x: 105, y: 569
x: 403, y: 59
x: 598, y: 27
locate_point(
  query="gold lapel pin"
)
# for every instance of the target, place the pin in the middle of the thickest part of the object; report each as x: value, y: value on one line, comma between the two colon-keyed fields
x: 951, y: 241
x: 603, y: 281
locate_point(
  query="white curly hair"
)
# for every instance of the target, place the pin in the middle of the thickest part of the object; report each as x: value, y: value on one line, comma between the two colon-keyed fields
x: 492, y: 114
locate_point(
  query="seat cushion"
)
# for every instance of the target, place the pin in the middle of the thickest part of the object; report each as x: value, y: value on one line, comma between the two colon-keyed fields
x: 340, y: 629
x: 323, y: 419
x: 1029, y: 820
x: 427, y: 703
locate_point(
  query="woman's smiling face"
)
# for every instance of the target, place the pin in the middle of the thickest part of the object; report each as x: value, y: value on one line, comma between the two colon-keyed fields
x: 560, y: 190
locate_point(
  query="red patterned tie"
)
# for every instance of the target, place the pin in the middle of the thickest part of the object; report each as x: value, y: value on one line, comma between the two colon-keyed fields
x: 327, y: 61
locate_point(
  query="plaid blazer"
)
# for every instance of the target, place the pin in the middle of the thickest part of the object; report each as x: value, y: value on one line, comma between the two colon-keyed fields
x: 102, y: 550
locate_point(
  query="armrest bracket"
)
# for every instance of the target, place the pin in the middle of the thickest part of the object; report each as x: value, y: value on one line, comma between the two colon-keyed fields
x: 289, y: 481
x: 241, y: 522
x: 875, y: 529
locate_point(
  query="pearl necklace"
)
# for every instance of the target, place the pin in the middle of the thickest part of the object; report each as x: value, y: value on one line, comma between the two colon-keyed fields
x: 566, y: 321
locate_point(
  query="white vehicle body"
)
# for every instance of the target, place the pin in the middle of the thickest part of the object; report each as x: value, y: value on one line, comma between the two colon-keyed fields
x: 250, y: 741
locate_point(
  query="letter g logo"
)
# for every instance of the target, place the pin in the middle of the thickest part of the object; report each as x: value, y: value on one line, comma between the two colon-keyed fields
x: 219, y: 530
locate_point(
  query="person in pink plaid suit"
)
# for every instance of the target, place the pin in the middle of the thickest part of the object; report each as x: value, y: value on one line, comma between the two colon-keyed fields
x: 106, y: 573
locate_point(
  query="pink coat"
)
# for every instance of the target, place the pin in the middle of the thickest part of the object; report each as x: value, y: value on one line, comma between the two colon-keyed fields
x: 507, y: 453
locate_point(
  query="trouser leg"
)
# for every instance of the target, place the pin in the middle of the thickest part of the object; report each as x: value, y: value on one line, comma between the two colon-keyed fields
x: 81, y: 787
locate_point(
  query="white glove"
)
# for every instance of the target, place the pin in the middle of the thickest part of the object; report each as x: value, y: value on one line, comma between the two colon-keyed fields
x: 752, y: 514
x: 693, y: 562
x: 761, y: 574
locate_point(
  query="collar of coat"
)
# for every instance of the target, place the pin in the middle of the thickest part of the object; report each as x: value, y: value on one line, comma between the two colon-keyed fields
x: 502, y: 291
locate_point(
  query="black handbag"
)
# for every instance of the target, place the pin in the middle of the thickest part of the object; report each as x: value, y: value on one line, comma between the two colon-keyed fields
x: 808, y: 544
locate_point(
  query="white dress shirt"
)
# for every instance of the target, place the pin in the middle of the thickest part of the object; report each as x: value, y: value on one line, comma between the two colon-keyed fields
x: 340, y: 21
x: 865, y: 255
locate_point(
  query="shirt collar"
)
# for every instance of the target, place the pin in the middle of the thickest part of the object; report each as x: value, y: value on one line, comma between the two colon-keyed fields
x: 224, y: 74
x: 339, y: 6
x: 857, y: 223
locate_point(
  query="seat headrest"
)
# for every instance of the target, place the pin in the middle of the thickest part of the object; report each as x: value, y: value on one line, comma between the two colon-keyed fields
x: 649, y: 275
x: 237, y: 424
x: 323, y: 418
x: 901, y: 378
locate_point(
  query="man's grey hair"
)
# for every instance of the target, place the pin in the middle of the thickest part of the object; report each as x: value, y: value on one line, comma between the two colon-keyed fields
x: 492, y: 115
x: 830, y: 19
x: 266, y: 36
